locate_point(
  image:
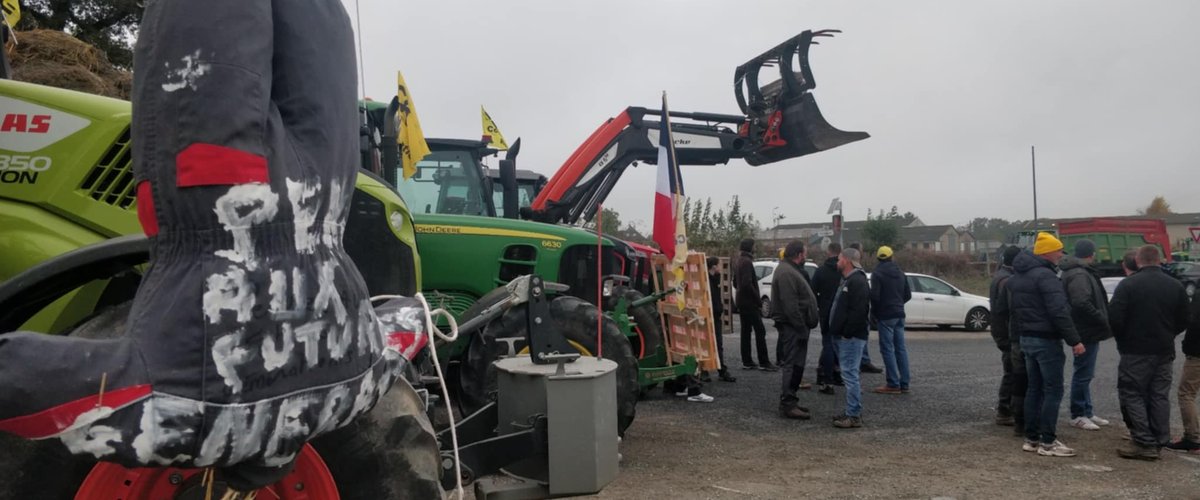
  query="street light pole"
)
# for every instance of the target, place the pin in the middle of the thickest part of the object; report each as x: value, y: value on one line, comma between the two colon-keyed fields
x: 775, y: 218
x: 1033, y: 163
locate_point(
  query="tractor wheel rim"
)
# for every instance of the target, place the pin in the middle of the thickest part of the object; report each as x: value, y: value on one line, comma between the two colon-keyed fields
x: 583, y: 351
x: 309, y: 480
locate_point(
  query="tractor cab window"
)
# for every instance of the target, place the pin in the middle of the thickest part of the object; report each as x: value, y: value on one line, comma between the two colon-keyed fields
x: 525, y: 196
x: 446, y: 182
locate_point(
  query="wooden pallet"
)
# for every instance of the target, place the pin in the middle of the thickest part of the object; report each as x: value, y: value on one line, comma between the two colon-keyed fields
x: 689, y: 331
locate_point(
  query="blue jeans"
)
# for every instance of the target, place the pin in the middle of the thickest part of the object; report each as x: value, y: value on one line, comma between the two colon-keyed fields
x: 851, y: 349
x: 1081, y: 381
x: 1044, y: 360
x: 893, y: 351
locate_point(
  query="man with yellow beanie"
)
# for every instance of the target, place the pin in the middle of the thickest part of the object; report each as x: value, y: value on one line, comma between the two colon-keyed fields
x: 1041, y: 313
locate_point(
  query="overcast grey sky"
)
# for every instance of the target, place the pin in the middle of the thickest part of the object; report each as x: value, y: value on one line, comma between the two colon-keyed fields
x: 953, y: 94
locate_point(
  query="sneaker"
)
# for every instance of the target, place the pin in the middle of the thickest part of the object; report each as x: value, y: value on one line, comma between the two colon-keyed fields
x: 1055, y: 449
x: 883, y: 389
x: 726, y: 377
x: 795, y: 413
x: 1005, y: 420
x: 1138, y: 452
x: 1098, y: 421
x: 750, y: 366
x: 1084, y: 423
x: 1184, y: 446
x: 805, y: 386
x: 1125, y: 435
x: 905, y: 390
x: 681, y: 393
x: 700, y: 398
x: 826, y: 389
x: 1030, y: 445
x: 768, y: 367
x: 870, y: 368
x: 846, y: 422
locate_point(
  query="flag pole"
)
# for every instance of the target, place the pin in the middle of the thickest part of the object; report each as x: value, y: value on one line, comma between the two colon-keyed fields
x: 599, y: 281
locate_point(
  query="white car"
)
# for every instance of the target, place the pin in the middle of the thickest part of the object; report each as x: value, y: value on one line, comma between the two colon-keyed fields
x: 936, y: 302
x: 1110, y: 285
x: 764, y: 269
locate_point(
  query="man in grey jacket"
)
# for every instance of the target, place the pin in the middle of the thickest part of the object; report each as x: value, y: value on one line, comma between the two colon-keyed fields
x: 795, y: 314
x: 1089, y: 312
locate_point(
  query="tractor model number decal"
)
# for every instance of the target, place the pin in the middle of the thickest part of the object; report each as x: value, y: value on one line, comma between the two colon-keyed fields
x: 22, y: 169
x: 26, y: 127
x: 551, y: 244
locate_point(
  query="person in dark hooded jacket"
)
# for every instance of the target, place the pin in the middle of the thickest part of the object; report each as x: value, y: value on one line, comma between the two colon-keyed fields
x: 749, y: 312
x: 1010, y: 407
x: 825, y: 283
x: 1089, y: 312
x: 889, y: 292
x: 1039, y: 310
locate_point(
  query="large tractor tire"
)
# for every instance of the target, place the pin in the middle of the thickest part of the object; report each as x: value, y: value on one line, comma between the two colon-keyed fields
x: 390, y: 452
x: 506, y: 336
x: 647, y: 324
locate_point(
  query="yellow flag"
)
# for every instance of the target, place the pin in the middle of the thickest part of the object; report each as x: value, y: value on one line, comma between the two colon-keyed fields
x: 681, y: 250
x: 408, y: 135
x: 490, y: 130
x: 12, y: 12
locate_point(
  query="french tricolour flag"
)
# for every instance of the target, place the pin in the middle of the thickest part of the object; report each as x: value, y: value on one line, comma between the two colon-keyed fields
x: 669, y: 230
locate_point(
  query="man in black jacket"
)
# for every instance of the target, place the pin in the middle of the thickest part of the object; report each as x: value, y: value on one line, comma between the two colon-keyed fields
x: 889, y: 293
x: 1148, y: 310
x: 1189, y: 384
x: 1010, y: 408
x: 825, y: 283
x: 1040, y: 312
x: 749, y: 309
x: 1089, y: 312
x: 849, y: 323
x: 794, y: 310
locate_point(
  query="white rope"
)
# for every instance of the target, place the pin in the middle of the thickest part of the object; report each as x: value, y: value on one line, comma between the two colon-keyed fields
x: 433, y: 331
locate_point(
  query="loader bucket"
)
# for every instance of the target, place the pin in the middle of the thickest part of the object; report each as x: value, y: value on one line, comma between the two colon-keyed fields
x: 805, y: 131
x: 783, y: 120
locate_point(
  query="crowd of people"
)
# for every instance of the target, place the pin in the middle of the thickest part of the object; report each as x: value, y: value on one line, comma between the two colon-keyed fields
x: 841, y: 301
x: 1042, y: 298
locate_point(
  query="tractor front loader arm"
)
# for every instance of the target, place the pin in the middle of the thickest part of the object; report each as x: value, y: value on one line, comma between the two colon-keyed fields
x: 779, y: 120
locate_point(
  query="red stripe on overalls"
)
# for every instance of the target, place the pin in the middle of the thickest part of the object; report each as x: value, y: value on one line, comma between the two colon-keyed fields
x: 53, y: 421
x: 212, y: 165
x: 145, y: 209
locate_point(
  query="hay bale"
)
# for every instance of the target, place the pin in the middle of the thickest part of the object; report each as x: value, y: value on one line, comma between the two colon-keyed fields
x: 60, y: 60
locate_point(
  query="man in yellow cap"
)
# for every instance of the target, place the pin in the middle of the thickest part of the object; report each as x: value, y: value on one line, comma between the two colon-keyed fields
x: 1040, y: 312
x: 889, y: 293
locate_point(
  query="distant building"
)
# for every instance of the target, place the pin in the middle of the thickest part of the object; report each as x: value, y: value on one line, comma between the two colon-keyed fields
x: 916, y: 235
x: 938, y: 239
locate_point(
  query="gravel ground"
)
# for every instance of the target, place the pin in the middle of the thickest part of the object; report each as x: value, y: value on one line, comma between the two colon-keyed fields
x: 938, y: 441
